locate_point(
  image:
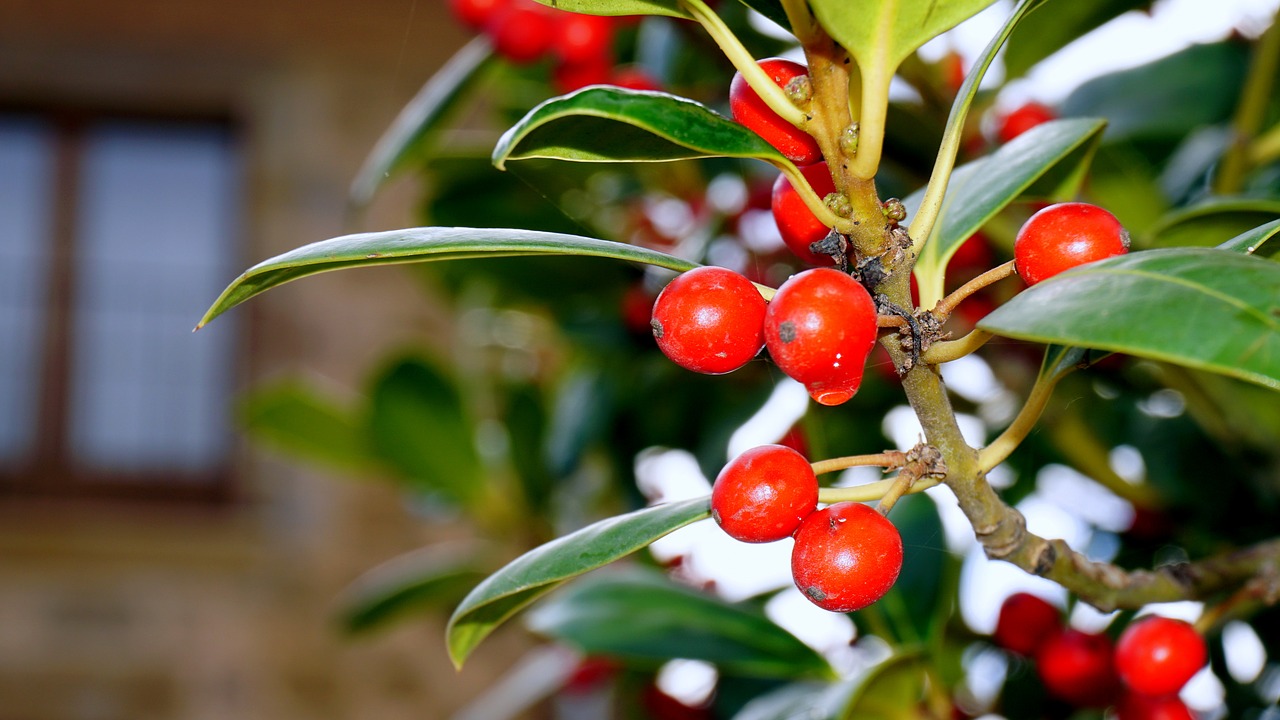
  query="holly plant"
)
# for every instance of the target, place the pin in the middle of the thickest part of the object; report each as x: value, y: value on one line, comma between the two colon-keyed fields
x: 659, y: 213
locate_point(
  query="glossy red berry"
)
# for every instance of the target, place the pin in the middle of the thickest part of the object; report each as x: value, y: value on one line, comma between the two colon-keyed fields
x: 1025, y: 622
x: 748, y: 109
x: 763, y: 494
x: 798, y: 226
x: 1077, y: 667
x: 846, y: 557
x: 567, y: 77
x: 1158, y: 655
x: 820, y: 328
x: 522, y: 31
x: 582, y: 38
x: 1135, y: 706
x: 709, y: 320
x: 1067, y: 235
x: 476, y: 13
x: 1023, y: 119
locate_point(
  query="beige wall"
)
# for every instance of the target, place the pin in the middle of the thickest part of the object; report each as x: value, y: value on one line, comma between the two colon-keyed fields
x: 162, y: 611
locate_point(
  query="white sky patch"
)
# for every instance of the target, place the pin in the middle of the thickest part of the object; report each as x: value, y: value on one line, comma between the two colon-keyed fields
x: 689, y: 681
x: 1084, y: 497
x: 1086, y: 618
x: 1245, y: 653
x: 827, y: 632
x: 971, y: 378
x: 1127, y: 461
x: 670, y: 475
x: 985, y: 584
x: 785, y: 406
x: 1185, y: 610
x: 1204, y: 691
x: 1049, y: 520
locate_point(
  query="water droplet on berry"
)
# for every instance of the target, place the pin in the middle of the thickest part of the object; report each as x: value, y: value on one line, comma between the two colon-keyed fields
x: 831, y: 397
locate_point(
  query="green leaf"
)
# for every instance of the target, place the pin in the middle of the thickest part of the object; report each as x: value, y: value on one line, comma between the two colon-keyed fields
x: 306, y: 424
x: 1254, y: 242
x: 542, y: 569
x: 1206, y: 224
x: 427, y: 578
x: 608, y: 124
x: 1152, y: 101
x: 889, y: 690
x: 642, y: 616
x: 880, y: 34
x: 670, y: 8
x: 421, y: 245
x: 1047, y: 156
x: 405, y: 137
x: 418, y: 425
x: 1199, y: 307
x: 807, y: 700
x: 1046, y: 32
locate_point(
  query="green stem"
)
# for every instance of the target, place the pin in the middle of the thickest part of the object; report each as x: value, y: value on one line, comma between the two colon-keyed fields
x: 889, y: 459
x: 816, y: 205
x: 949, y: 350
x: 870, y: 492
x: 947, y: 305
x: 1255, y: 98
x: 1266, y: 148
x: 874, y: 107
x: 769, y: 91
x: 931, y: 206
x: 1022, y: 425
x: 803, y: 24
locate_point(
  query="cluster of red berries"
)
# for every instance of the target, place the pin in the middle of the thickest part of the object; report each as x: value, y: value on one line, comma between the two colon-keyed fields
x: 846, y: 555
x: 819, y: 327
x: 1141, y: 673
x: 580, y: 45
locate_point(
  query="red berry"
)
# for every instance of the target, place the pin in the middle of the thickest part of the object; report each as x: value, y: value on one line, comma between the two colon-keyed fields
x: 1158, y: 655
x: 583, y: 38
x: 1026, y: 621
x: 750, y: 110
x: 1067, y: 235
x: 1076, y: 667
x: 1023, y: 119
x: 567, y: 77
x: 476, y: 13
x: 798, y: 226
x: 820, y: 328
x: 633, y: 78
x: 1135, y: 706
x: 846, y: 557
x: 709, y: 320
x: 764, y: 493
x: 522, y: 31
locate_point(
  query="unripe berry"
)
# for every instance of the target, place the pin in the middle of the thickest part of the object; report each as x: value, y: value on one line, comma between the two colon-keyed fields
x: 1064, y: 236
x: 748, y: 109
x: 709, y: 320
x: 763, y: 494
x: 846, y: 557
x: 1025, y: 622
x: 1158, y: 655
x: 1077, y: 667
x: 798, y: 226
x: 820, y: 328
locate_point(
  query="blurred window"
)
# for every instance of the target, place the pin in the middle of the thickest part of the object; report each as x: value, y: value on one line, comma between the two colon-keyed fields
x: 115, y: 235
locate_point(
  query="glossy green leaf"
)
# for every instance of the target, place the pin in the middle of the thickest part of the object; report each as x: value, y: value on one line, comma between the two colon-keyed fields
x: 882, y: 33
x: 421, y: 245
x: 1049, y: 30
x: 542, y: 569
x: 807, y: 700
x: 418, y: 426
x: 1050, y: 155
x: 643, y: 616
x: 1168, y: 98
x: 1209, y: 223
x: 1199, y: 307
x: 1256, y: 241
x: 608, y: 124
x: 428, y: 578
x: 670, y: 8
x: 913, y: 601
x: 403, y: 139
x: 304, y: 423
